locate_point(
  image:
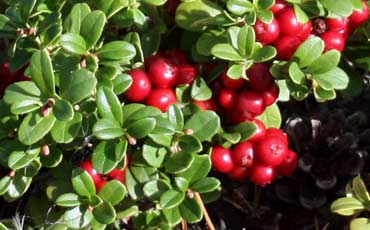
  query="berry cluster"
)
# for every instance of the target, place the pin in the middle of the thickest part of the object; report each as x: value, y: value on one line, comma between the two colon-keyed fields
x: 258, y: 159
x: 99, y: 179
x: 155, y: 86
x: 240, y: 100
x: 286, y: 32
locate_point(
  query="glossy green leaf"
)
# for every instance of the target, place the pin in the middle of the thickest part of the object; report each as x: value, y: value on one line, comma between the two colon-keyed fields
x: 239, y: 7
x: 263, y: 54
x: 179, y: 162
x: 104, y: 213
x: 34, y: 127
x: 360, y: 190
x: 266, y: 16
x: 66, y: 131
x: 155, y: 2
x: 206, y: 184
x: 25, y: 106
x: 53, y: 159
x: 111, y: 7
x: 181, y: 183
x: 172, y: 216
x: 117, y: 51
x: 271, y: 117
x: 226, y: 52
x: 63, y: 110
x: 18, y: 186
x: 135, y: 112
x: 141, y: 128
x: 336, y: 78
x: 322, y: 95
x: 175, y: 116
x: 300, y: 14
x: 200, y: 90
x: 315, y: 45
x: 326, y: 62
x: 92, y: 27
x: 4, y: 184
x: 77, y: 217
x: 155, y: 188
x: 360, y: 224
x: 121, y: 83
x: 113, y: 192
x: 197, y: 15
x: 246, y: 39
x: 199, y: 168
x: 78, y: 86
x: 106, y: 129
x: 83, y: 183
x: 346, y: 206
x: 73, y: 43
x: 171, y: 198
x: 153, y: 154
x: 191, y: 211
x: 105, y: 156
x: 42, y: 73
x: 204, y: 124
x: 20, y: 158
x: 22, y: 91
x: 296, y: 74
x: 341, y: 8
x: 189, y: 144
x: 109, y: 105
x: 78, y: 13
x: 68, y: 200
x: 236, y: 71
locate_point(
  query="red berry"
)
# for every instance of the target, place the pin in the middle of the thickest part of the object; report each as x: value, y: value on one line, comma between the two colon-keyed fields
x: 306, y: 31
x: 232, y: 83
x: 239, y: 173
x: 243, y: 154
x: 278, y: 133
x: 286, y: 46
x: 359, y: 17
x: 150, y: 59
x: 163, y: 73
x: 118, y: 174
x: 336, y: 24
x: 260, y: 131
x: 141, y: 86
x: 271, y: 150
x: 221, y: 159
x: 227, y: 98
x: 176, y: 56
x: 262, y: 174
x: 288, y: 22
x: 267, y: 33
x: 271, y: 95
x: 7, y: 76
x: 100, y: 185
x: 333, y: 40
x: 260, y: 78
x: 278, y: 6
x: 161, y: 98
x: 187, y: 74
x: 209, y: 104
x: 87, y: 165
x: 287, y: 167
x: 250, y: 104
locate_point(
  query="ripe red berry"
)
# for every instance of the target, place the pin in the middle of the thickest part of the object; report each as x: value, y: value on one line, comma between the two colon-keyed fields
x: 239, y: 173
x: 243, y: 154
x: 267, y: 33
x: 100, y: 185
x: 306, y: 31
x: 271, y: 95
x: 278, y: 133
x: 287, y: 167
x: 161, y: 98
x: 163, y: 73
x: 187, y: 74
x: 221, y: 159
x: 141, y: 86
x: 260, y: 78
x: 176, y: 56
x: 288, y: 22
x: 359, y: 17
x: 87, y: 165
x: 262, y: 174
x: 278, y: 6
x: 232, y: 83
x: 336, y: 24
x: 118, y: 174
x: 271, y: 150
x: 227, y: 98
x: 260, y: 131
x: 286, y: 46
x: 150, y: 59
x: 250, y: 104
x: 209, y: 104
x: 333, y: 40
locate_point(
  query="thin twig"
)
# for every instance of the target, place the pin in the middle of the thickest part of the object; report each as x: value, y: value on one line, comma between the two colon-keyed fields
x: 184, y: 225
x: 235, y: 205
x: 206, y: 216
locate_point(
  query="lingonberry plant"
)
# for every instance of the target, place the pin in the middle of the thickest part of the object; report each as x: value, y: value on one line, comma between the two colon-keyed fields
x: 114, y: 112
